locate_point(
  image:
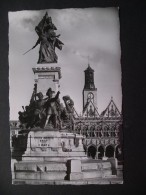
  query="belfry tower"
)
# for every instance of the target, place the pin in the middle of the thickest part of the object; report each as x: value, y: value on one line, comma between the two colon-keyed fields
x: 89, y: 95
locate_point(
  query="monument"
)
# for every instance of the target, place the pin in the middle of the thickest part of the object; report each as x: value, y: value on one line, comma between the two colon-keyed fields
x: 53, y: 153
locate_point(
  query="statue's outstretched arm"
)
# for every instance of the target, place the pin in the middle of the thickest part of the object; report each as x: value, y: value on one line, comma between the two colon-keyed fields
x: 38, y: 41
x: 57, y: 95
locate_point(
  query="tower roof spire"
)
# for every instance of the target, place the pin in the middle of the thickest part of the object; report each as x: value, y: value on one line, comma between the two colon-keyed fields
x: 88, y: 62
x: 89, y: 69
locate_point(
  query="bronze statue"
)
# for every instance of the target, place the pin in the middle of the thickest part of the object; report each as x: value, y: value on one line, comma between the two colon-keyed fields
x: 38, y: 114
x: 69, y: 107
x: 52, y: 109
x: 34, y: 114
x: 42, y: 112
x: 48, y: 41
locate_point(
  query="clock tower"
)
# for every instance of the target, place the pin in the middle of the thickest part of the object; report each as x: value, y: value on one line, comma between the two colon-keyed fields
x: 89, y: 94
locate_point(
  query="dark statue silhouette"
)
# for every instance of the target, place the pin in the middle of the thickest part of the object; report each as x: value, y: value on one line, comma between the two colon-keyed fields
x: 42, y: 112
x: 48, y: 41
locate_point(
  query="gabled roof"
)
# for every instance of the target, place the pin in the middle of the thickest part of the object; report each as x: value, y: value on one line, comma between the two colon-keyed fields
x: 75, y: 114
x: 87, y: 107
x: 111, y: 111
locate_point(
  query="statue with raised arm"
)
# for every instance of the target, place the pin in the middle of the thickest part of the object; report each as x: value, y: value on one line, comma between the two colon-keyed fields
x: 53, y: 109
x: 69, y: 103
x: 48, y: 41
x: 41, y: 111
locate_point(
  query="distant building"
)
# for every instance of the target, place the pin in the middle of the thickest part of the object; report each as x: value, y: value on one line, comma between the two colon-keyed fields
x: 103, y: 136
x: 89, y: 95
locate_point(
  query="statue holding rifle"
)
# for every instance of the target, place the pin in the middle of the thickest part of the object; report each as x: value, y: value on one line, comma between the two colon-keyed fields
x: 48, y: 41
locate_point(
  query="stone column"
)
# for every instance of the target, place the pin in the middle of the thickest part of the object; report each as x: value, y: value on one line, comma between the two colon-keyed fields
x: 104, y: 157
x: 96, y: 156
x: 114, y: 153
x: 74, y: 170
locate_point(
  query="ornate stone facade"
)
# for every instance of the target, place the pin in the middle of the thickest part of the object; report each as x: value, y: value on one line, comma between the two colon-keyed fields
x: 103, y: 134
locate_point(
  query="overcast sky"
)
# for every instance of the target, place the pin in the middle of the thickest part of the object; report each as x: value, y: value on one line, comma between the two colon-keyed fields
x: 92, y: 32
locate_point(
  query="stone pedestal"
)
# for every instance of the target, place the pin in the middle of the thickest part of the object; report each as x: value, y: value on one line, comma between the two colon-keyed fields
x: 45, y: 144
x: 74, y: 170
x: 53, y: 155
x: 47, y: 76
x: 114, y: 164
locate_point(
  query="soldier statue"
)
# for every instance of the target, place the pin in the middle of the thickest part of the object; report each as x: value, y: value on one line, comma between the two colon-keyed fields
x: 48, y: 41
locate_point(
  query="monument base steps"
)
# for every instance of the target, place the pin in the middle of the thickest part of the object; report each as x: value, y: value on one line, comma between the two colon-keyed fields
x: 52, y: 157
x: 100, y: 181
x: 40, y: 175
x: 74, y: 170
x: 120, y: 171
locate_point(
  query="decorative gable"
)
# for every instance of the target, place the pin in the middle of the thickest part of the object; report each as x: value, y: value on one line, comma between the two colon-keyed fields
x: 111, y: 111
x: 90, y: 110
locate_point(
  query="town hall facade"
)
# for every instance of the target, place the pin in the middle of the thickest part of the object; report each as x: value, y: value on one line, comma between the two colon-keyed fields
x: 103, y: 132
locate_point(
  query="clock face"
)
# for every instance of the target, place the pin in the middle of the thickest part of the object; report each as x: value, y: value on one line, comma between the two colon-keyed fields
x: 90, y: 96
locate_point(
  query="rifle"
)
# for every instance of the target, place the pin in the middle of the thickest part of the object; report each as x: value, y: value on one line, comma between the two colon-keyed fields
x: 38, y: 30
x: 31, y: 48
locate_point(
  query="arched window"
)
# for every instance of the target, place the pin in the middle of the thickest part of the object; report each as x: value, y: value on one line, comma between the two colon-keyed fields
x: 99, y: 128
x: 112, y: 129
x: 85, y: 128
x: 92, y: 151
x: 109, y: 151
x: 105, y: 129
x: 92, y: 129
x: 78, y: 128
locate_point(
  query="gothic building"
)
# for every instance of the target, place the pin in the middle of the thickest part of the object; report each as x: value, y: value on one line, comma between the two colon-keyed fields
x: 103, y: 136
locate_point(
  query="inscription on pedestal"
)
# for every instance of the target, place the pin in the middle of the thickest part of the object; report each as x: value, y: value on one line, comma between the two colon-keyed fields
x: 42, y: 142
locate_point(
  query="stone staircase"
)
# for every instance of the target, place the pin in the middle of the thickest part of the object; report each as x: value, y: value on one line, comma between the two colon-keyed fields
x: 73, y: 171
x: 39, y: 171
x: 54, y: 157
x: 96, y: 169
